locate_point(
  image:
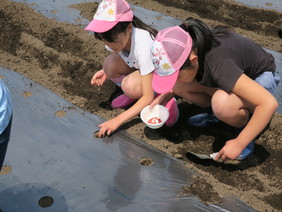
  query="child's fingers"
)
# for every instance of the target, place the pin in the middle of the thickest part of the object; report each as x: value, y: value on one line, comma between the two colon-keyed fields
x: 96, y: 82
x: 93, y: 81
x: 153, y: 103
x: 102, y: 133
x: 109, y: 132
x: 219, y: 155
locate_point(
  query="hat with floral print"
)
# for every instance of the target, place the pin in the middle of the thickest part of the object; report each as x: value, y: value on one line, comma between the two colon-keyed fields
x: 169, y: 52
x: 108, y: 14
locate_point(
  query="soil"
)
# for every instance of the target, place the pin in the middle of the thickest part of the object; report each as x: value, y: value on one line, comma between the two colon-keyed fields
x: 63, y: 57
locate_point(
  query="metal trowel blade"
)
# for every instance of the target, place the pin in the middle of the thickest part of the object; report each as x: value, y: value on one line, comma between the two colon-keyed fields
x: 204, y: 156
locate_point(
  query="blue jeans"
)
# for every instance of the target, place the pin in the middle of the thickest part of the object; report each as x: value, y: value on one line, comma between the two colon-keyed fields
x: 4, y: 140
x: 269, y: 81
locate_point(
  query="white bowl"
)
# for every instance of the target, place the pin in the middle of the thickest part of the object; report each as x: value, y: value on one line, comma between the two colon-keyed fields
x: 158, y: 116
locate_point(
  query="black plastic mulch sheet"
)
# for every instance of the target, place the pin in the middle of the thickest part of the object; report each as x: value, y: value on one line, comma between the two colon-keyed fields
x: 58, y: 165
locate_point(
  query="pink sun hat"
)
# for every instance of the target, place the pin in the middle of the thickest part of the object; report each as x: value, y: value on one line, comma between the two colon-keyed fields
x: 108, y: 14
x: 169, y: 51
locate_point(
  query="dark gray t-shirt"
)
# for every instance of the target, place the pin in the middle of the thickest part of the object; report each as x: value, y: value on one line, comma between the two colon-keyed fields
x: 235, y: 55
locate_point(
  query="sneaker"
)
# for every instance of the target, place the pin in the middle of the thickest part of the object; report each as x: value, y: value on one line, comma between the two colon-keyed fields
x: 122, y: 101
x: 247, y: 151
x: 173, y: 112
x: 203, y: 119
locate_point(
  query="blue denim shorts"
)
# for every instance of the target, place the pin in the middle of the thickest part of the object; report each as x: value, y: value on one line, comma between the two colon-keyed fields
x: 269, y: 81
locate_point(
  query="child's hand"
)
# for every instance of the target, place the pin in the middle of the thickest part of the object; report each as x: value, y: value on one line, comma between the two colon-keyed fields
x: 161, y: 99
x: 99, y: 78
x: 231, y: 150
x: 108, y: 127
x: 155, y: 102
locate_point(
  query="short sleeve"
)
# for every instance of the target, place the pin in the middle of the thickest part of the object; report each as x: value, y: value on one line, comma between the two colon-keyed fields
x: 225, y: 74
x: 142, y: 51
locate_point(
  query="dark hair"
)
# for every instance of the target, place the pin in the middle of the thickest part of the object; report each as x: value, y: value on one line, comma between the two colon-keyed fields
x: 120, y: 27
x: 204, y: 38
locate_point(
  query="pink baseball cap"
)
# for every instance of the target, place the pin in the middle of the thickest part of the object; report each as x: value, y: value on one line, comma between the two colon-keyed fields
x: 108, y: 14
x: 169, y: 51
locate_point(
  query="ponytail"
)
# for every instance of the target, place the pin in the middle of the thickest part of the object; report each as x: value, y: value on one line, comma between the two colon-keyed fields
x: 138, y: 23
x: 204, y: 38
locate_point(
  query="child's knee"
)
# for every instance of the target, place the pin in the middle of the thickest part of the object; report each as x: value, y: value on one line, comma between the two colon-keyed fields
x: 220, y: 105
x: 228, y: 110
x: 127, y: 84
x: 110, y: 66
x: 131, y: 87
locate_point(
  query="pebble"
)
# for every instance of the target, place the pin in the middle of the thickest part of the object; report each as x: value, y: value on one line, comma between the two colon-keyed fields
x: 166, y: 146
x: 179, y: 156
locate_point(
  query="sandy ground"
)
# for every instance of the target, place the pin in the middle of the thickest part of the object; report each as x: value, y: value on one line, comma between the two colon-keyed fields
x: 63, y: 57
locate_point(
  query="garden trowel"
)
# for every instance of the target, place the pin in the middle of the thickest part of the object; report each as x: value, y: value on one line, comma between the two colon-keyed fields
x: 204, y: 156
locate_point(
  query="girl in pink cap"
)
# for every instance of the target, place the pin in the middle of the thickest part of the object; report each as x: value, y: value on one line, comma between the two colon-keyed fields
x: 219, y: 69
x: 129, y: 66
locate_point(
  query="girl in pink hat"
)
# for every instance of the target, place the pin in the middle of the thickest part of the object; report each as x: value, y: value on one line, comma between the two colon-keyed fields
x: 129, y: 66
x: 221, y: 70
